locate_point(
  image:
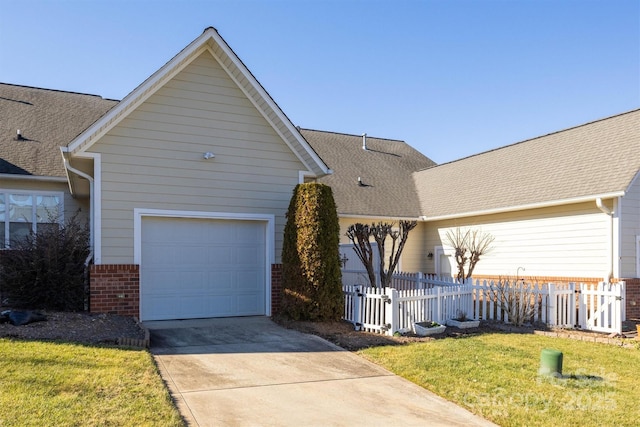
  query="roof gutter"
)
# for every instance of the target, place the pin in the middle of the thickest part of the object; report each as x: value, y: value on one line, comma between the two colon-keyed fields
x: 610, y: 214
x: 584, y: 199
x: 89, y: 178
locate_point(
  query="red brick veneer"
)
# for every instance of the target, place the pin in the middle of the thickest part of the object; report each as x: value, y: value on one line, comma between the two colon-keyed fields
x: 115, y: 289
x: 276, y: 288
x: 633, y: 298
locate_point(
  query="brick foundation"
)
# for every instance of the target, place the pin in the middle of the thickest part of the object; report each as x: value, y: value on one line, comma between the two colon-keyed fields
x: 115, y: 289
x: 633, y: 298
x: 276, y: 288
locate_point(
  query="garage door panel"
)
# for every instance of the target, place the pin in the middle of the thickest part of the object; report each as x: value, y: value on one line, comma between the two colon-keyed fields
x: 221, y: 282
x: 161, y: 254
x: 248, y: 304
x: 248, y: 280
x: 220, y: 255
x: 194, y: 268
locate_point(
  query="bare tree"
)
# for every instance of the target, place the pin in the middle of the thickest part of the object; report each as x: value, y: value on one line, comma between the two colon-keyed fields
x: 468, y: 246
x: 360, y: 235
x: 479, y: 244
x: 458, y: 241
x: 515, y: 298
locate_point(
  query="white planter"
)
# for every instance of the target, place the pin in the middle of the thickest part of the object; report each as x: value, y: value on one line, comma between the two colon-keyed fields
x: 422, y: 329
x: 463, y: 324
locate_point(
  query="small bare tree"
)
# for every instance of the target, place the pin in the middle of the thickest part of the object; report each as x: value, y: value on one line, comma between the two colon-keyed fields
x: 515, y: 298
x: 360, y: 235
x: 469, y: 247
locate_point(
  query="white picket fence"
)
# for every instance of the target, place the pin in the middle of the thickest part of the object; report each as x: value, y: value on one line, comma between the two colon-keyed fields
x: 414, y: 297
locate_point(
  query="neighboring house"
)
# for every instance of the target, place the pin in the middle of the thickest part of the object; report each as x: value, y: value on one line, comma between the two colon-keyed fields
x: 562, y: 205
x: 186, y: 181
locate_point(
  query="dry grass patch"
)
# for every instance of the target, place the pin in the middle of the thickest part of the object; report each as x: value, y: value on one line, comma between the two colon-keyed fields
x: 47, y: 383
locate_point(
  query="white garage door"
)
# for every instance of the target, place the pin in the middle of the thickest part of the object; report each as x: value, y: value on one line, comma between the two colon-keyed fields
x: 197, y: 268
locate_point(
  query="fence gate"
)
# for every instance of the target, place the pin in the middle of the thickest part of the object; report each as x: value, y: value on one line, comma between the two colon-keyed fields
x: 601, y: 307
x: 367, y: 308
x: 562, y: 306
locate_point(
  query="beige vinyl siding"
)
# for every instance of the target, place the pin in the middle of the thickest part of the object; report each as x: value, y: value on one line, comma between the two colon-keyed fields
x: 261, y: 102
x: 629, y: 229
x: 564, y: 241
x: 153, y: 159
x: 413, y: 256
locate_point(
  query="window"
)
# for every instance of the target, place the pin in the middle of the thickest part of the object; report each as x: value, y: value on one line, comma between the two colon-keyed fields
x: 23, y: 212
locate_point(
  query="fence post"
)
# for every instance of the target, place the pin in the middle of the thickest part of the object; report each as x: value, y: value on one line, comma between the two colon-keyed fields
x: 551, y: 305
x: 439, y: 305
x: 619, y: 304
x: 357, y: 307
x: 391, y: 314
x: 582, y: 307
x: 468, y: 298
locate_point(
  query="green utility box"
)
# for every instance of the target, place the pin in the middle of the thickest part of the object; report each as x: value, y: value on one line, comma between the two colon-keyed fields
x: 550, y: 362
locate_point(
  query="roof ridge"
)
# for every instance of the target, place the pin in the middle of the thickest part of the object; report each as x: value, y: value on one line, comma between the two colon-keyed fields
x: 534, y: 138
x: 58, y: 90
x: 351, y: 134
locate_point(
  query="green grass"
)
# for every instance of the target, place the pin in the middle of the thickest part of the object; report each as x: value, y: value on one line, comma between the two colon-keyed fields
x: 495, y: 376
x: 63, y: 384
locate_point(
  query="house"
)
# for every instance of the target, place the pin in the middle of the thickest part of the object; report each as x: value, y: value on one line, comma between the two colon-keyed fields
x: 563, y: 207
x: 186, y: 181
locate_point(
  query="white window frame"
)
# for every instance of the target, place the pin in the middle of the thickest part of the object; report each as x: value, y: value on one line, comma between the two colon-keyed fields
x: 34, y: 221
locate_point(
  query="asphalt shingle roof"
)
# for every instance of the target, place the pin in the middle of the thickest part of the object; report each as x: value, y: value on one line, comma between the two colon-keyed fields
x: 47, y: 119
x: 385, y: 169
x: 594, y: 159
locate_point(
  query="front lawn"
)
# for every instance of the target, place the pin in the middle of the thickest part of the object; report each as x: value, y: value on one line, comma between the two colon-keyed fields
x: 495, y: 376
x: 62, y: 384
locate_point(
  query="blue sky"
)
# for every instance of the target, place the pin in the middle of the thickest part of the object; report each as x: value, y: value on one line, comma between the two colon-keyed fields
x: 452, y: 78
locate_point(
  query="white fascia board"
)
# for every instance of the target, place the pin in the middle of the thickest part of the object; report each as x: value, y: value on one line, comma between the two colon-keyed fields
x: 140, y: 94
x: 525, y: 207
x: 39, y: 178
x: 267, y: 98
x: 378, y: 217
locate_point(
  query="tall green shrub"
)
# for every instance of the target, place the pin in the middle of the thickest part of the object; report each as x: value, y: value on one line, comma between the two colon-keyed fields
x: 311, y: 276
x: 46, y: 270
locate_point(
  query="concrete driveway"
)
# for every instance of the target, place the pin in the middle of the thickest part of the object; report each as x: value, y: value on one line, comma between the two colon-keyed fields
x: 251, y: 372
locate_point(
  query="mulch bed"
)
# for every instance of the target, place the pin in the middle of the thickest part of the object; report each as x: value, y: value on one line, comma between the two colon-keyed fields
x: 80, y: 327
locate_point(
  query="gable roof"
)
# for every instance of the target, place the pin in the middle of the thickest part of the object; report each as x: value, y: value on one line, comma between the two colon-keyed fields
x: 597, y: 159
x: 210, y: 41
x: 385, y: 170
x: 47, y: 120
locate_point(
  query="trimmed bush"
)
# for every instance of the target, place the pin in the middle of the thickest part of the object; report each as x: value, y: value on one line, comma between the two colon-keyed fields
x: 311, y: 275
x: 46, y: 270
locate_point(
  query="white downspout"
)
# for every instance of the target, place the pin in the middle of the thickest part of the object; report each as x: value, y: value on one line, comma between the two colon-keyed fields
x: 609, y: 213
x: 90, y: 179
